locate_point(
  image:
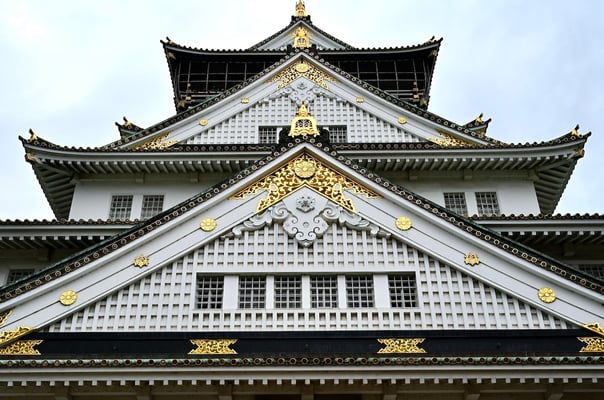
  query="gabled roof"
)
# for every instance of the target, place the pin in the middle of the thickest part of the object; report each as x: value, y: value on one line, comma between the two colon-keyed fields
x: 504, y: 264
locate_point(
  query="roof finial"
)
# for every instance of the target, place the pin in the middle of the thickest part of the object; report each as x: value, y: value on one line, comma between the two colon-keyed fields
x: 300, y: 9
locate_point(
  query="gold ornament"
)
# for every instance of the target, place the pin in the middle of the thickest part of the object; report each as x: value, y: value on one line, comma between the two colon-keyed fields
x: 402, y: 120
x: 300, y: 9
x: 68, y: 297
x: 403, y: 223
x: 302, y: 38
x: 594, y: 344
x: 245, y: 100
x: 471, y: 259
x: 208, y: 224
x: 141, y: 261
x: 303, y: 124
x: 447, y: 140
x: 325, y: 181
x: 547, y: 295
x: 213, y: 346
x: 401, y: 345
x: 203, y: 122
x: 4, y: 316
x: 304, y: 168
x: 9, y: 336
x: 301, y: 70
x: 159, y: 143
x: 21, y: 348
x: 360, y: 100
x: 595, y: 327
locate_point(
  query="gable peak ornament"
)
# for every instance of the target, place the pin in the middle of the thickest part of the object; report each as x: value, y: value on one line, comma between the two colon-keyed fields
x: 300, y: 9
x: 302, y: 39
x: 303, y: 123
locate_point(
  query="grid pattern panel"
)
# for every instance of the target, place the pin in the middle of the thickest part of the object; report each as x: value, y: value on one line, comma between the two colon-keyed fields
x: 359, y: 291
x: 487, y: 204
x: 446, y: 298
x: 152, y: 205
x: 403, y: 290
x: 252, y: 291
x: 121, y: 207
x: 267, y: 134
x: 337, y: 134
x: 209, y: 291
x: 288, y: 292
x: 363, y: 127
x: 456, y: 202
x: 323, y: 291
x: 16, y: 274
x: 595, y: 270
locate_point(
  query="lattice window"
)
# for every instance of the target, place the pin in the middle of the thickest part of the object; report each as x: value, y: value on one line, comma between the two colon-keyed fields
x: 595, y: 270
x: 359, y: 291
x: 209, y: 292
x: 456, y: 202
x: 121, y: 207
x: 487, y: 204
x: 288, y: 292
x: 403, y: 290
x: 324, y: 291
x: 267, y: 134
x: 152, y: 205
x: 16, y: 274
x: 252, y: 292
x: 338, y: 134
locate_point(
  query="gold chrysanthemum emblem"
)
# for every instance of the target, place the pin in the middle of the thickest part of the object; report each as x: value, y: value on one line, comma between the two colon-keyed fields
x: 403, y: 223
x: 305, y: 168
x: 208, y: 224
x: 547, y: 295
x: 68, y: 297
x: 141, y: 261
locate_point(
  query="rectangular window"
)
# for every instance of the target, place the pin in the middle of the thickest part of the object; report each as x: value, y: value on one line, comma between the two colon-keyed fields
x: 152, y: 205
x: 456, y: 202
x: 16, y: 274
x: 288, y: 292
x: 121, y: 206
x: 323, y: 291
x: 359, y: 291
x: 403, y: 290
x: 337, y: 134
x: 252, y: 291
x: 267, y: 134
x: 209, y: 292
x: 486, y: 203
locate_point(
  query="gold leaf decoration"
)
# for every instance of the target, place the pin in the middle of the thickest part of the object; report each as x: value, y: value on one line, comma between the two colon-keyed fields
x: 595, y: 327
x: 547, y: 295
x: 159, y: 143
x: 471, y: 259
x: 141, y: 261
x: 447, y: 140
x: 213, y: 346
x: 10, y: 335
x: 402, y: 120
x: 208, y: 224
x: 403, y: 223
x: 301, y: 70
x: 4, y: 316
x: 401, y: 345
x: 21, y: 348
x: 68, y: 297
x: 323, y: 180
x: 594, y: 344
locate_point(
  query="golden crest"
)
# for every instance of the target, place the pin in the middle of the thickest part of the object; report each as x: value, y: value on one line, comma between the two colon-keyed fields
x: 208, y: 224
x: 141, y: 261
x: 68, y: 297
x: 403, y: 223
x: 305, y: 168
x: 547, y: 295
x: 471, y: 259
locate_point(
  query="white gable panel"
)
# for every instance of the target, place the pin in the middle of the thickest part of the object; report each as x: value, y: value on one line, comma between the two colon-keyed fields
x: 446, y: 298
x: 362, y: 127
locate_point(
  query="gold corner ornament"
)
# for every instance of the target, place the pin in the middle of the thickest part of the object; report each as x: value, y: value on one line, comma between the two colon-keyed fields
x: 9, y: 336
x: 4, y: 316
x: 471, y: 259
x: 203, y: 122
x: 208, y: 224
x: 302, y: 69
x: 21, y: 348
x: 595, y: 344
x: 595, y: 327
x: 32, y: 136
x: 141, y: 261
x: 213, y: 346
x: 305, y: 171
x: 401, y: 346
x: 403, y: 223
x: 547, y: 295
x: 575, y: 131
x: 301, y: 38
x: 300, y: 9
x: 159, y: 143
x: 68, y: 297
x: 303, y: 123
x: 447, y: 140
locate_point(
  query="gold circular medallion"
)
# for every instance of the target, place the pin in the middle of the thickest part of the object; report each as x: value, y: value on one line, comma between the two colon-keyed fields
x: 547, y: 295
x: 403, y: 223
x: 68, y: 297
x: 302, y: 67
x: 141, y: 261
x: 305, y: 168
x: 208, y: 224
x: 203, y: 122
x: 402, y: 120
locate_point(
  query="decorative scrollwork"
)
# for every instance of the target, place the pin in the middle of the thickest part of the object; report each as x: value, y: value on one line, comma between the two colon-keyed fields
x: 21, y: 348
x: 11, y: 335
x: 595, y: 327
x: 594, y: 344
x: 401, y: 345
x: 213, y: 346
x: 4, y: 316
x: 447, y: 140
x: 159, y: 143
x: 302, y: 69
x: 324, y: 181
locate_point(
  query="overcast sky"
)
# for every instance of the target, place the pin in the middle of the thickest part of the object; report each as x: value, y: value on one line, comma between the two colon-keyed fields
x: 70, y: 69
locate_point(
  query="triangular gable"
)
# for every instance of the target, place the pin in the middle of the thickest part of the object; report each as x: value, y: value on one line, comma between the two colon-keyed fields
x: 502, y: 265
x: 285, y: 37
x: 340, y: 97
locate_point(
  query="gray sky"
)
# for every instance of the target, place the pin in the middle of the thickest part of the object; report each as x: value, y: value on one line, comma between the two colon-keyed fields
x: 70, y: 69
